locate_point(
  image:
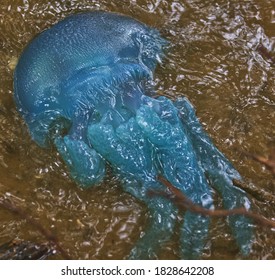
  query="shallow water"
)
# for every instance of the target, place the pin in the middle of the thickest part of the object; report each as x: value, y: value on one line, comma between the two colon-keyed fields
x: 222, y: 57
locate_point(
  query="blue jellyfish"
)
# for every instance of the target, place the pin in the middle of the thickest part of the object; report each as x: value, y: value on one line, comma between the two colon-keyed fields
x: 85, y: 87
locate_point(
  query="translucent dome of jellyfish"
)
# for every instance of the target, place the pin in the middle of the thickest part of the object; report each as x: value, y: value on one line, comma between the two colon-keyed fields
x: 85, y: 87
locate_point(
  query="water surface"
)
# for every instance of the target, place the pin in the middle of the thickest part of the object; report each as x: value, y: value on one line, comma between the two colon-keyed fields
x: 222, y: 57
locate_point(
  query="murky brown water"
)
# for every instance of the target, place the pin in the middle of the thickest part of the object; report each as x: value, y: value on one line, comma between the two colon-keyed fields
x: 220, y: 58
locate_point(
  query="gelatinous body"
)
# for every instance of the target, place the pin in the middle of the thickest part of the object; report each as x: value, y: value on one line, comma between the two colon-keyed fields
x: 84, y: 86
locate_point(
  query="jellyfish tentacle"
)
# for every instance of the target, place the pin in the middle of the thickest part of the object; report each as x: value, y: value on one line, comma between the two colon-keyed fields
x: 234, y: 197
x: 178, y: 164
x: 220, y: 173
x: 161, y: 224
x: 86, y: 166
x: 122, y: 155
x: 130, y: 153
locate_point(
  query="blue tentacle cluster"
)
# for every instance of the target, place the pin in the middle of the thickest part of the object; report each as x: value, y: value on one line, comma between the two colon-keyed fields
x: 84, y: 86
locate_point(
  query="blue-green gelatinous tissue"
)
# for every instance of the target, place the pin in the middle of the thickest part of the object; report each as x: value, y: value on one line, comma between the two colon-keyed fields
x: 84, y: 86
